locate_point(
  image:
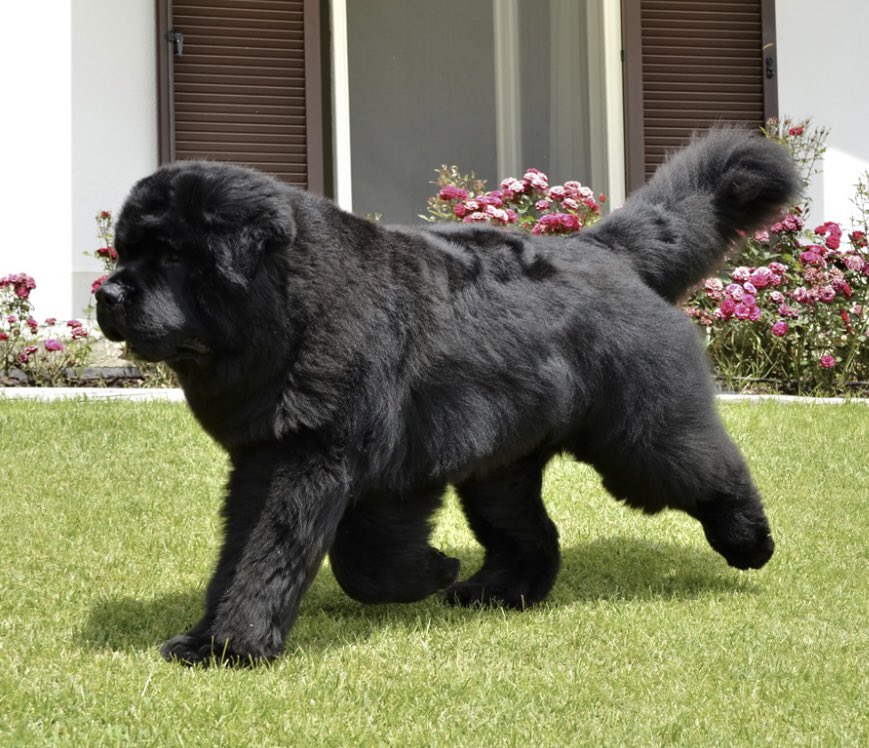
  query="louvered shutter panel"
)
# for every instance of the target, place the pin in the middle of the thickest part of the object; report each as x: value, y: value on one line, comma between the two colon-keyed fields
x: 700, y: 63
x: 240, y: 87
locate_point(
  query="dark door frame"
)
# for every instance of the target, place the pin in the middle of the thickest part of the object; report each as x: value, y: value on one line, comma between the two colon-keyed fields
x: 633, y: 83
x: 315, y: 140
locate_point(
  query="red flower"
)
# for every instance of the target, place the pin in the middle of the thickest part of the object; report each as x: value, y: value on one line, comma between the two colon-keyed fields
x: 95, y: 286
x: 451, y: 192
x: 795, y: 131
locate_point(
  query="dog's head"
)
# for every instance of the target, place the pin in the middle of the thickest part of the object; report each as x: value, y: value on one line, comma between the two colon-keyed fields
x: 191, y: 240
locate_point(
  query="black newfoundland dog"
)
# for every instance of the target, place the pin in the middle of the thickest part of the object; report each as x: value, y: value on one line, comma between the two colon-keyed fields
x: 352, y: 371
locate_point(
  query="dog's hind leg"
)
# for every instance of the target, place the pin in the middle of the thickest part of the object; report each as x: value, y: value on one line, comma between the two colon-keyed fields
x: 381, y: 551
x: 506, y: 513
x: 691, y: 464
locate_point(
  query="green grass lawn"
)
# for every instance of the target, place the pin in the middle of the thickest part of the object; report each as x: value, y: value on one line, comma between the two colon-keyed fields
x: 109, y: 529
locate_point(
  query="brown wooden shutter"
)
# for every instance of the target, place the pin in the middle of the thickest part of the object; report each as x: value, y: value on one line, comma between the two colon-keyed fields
x: 246, y: 85
x: 690, y: 64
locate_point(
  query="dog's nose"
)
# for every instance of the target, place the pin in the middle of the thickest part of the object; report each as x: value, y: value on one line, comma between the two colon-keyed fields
x: 110, y: 292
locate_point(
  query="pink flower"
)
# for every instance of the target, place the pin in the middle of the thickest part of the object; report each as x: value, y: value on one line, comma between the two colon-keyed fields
x: 53, y: 345
x: 571, y: 223
x: 714, y: 288
x: 556, y: 223
x: 761, y: 236
x: 780, y: 329
x: 32, y: 324
x: 475, y: 217
x: 734, y: 291
x: 576, y: 190
x: 570, y: 203
x: 742, y: 311
x: 542, y: 205
x: 857, y: 310
x: 27, y: 354
x: 777, y: 268
x: 727, y: 307
x: 51, y: 321
x: 741, y: 274
x: 788, y: 311
x: 844, y: 287
x: 557, y: 193
x: 827, y: 294
x: 513, y: 185
x: 833, y: 232
x: 810, y: 257
x: 855, y: 263
x: 95, y: 286
x: 749, y: 300
x: 748, y: 286
x: 79, y: 332
x: 790, y: 223
x: 828, y: 362
x: 537, y: 179
x: 495, y: 200
x: 499, y: 214
x: 21, y: 283
x: 589, y: 203
x: 107, y: 252
x: 451, y: 192
x: 761, y: 277
x: 73, y: 323
x: 777, y: 297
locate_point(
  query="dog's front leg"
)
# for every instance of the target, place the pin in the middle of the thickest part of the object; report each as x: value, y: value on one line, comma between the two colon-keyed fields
x: 281, y: 513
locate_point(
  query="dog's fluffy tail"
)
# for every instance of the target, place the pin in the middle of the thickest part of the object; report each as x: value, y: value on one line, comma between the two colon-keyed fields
x: 676, y: 229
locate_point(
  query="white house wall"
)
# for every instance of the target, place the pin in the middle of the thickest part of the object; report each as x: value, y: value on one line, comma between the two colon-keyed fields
x: 114, y: 117
x: 35, y: 208
x: 820, y: 47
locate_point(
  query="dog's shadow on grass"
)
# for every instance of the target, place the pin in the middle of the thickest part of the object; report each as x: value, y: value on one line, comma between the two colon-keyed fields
x: 628, y: 570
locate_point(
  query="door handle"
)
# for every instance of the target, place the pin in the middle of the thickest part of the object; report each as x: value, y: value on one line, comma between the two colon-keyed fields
x: 176, y: 38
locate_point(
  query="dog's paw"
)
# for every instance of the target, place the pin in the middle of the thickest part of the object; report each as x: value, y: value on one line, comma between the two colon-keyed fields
x: 207, y: 651
x: 490, y: 592
x: 445, y: 569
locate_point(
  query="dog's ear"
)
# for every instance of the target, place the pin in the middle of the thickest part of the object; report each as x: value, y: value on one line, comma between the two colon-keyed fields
x: 243, y: 215
x: 239, y: 248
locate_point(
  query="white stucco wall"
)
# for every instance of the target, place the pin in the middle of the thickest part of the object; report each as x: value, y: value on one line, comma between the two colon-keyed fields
x: 79, y: 127
x: 114, y: 117
x: 820, y: 76
x: 35, y: 207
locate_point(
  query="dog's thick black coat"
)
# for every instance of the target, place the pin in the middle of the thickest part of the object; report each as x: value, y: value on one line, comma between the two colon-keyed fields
x: 352, y: 371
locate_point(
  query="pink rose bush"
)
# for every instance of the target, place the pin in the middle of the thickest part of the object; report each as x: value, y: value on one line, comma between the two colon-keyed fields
x: 31, y: 352
x: 528, y: 203
x: 790, y: 315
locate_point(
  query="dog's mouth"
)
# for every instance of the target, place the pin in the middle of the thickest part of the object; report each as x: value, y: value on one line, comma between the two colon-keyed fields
x: 187, y: 349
